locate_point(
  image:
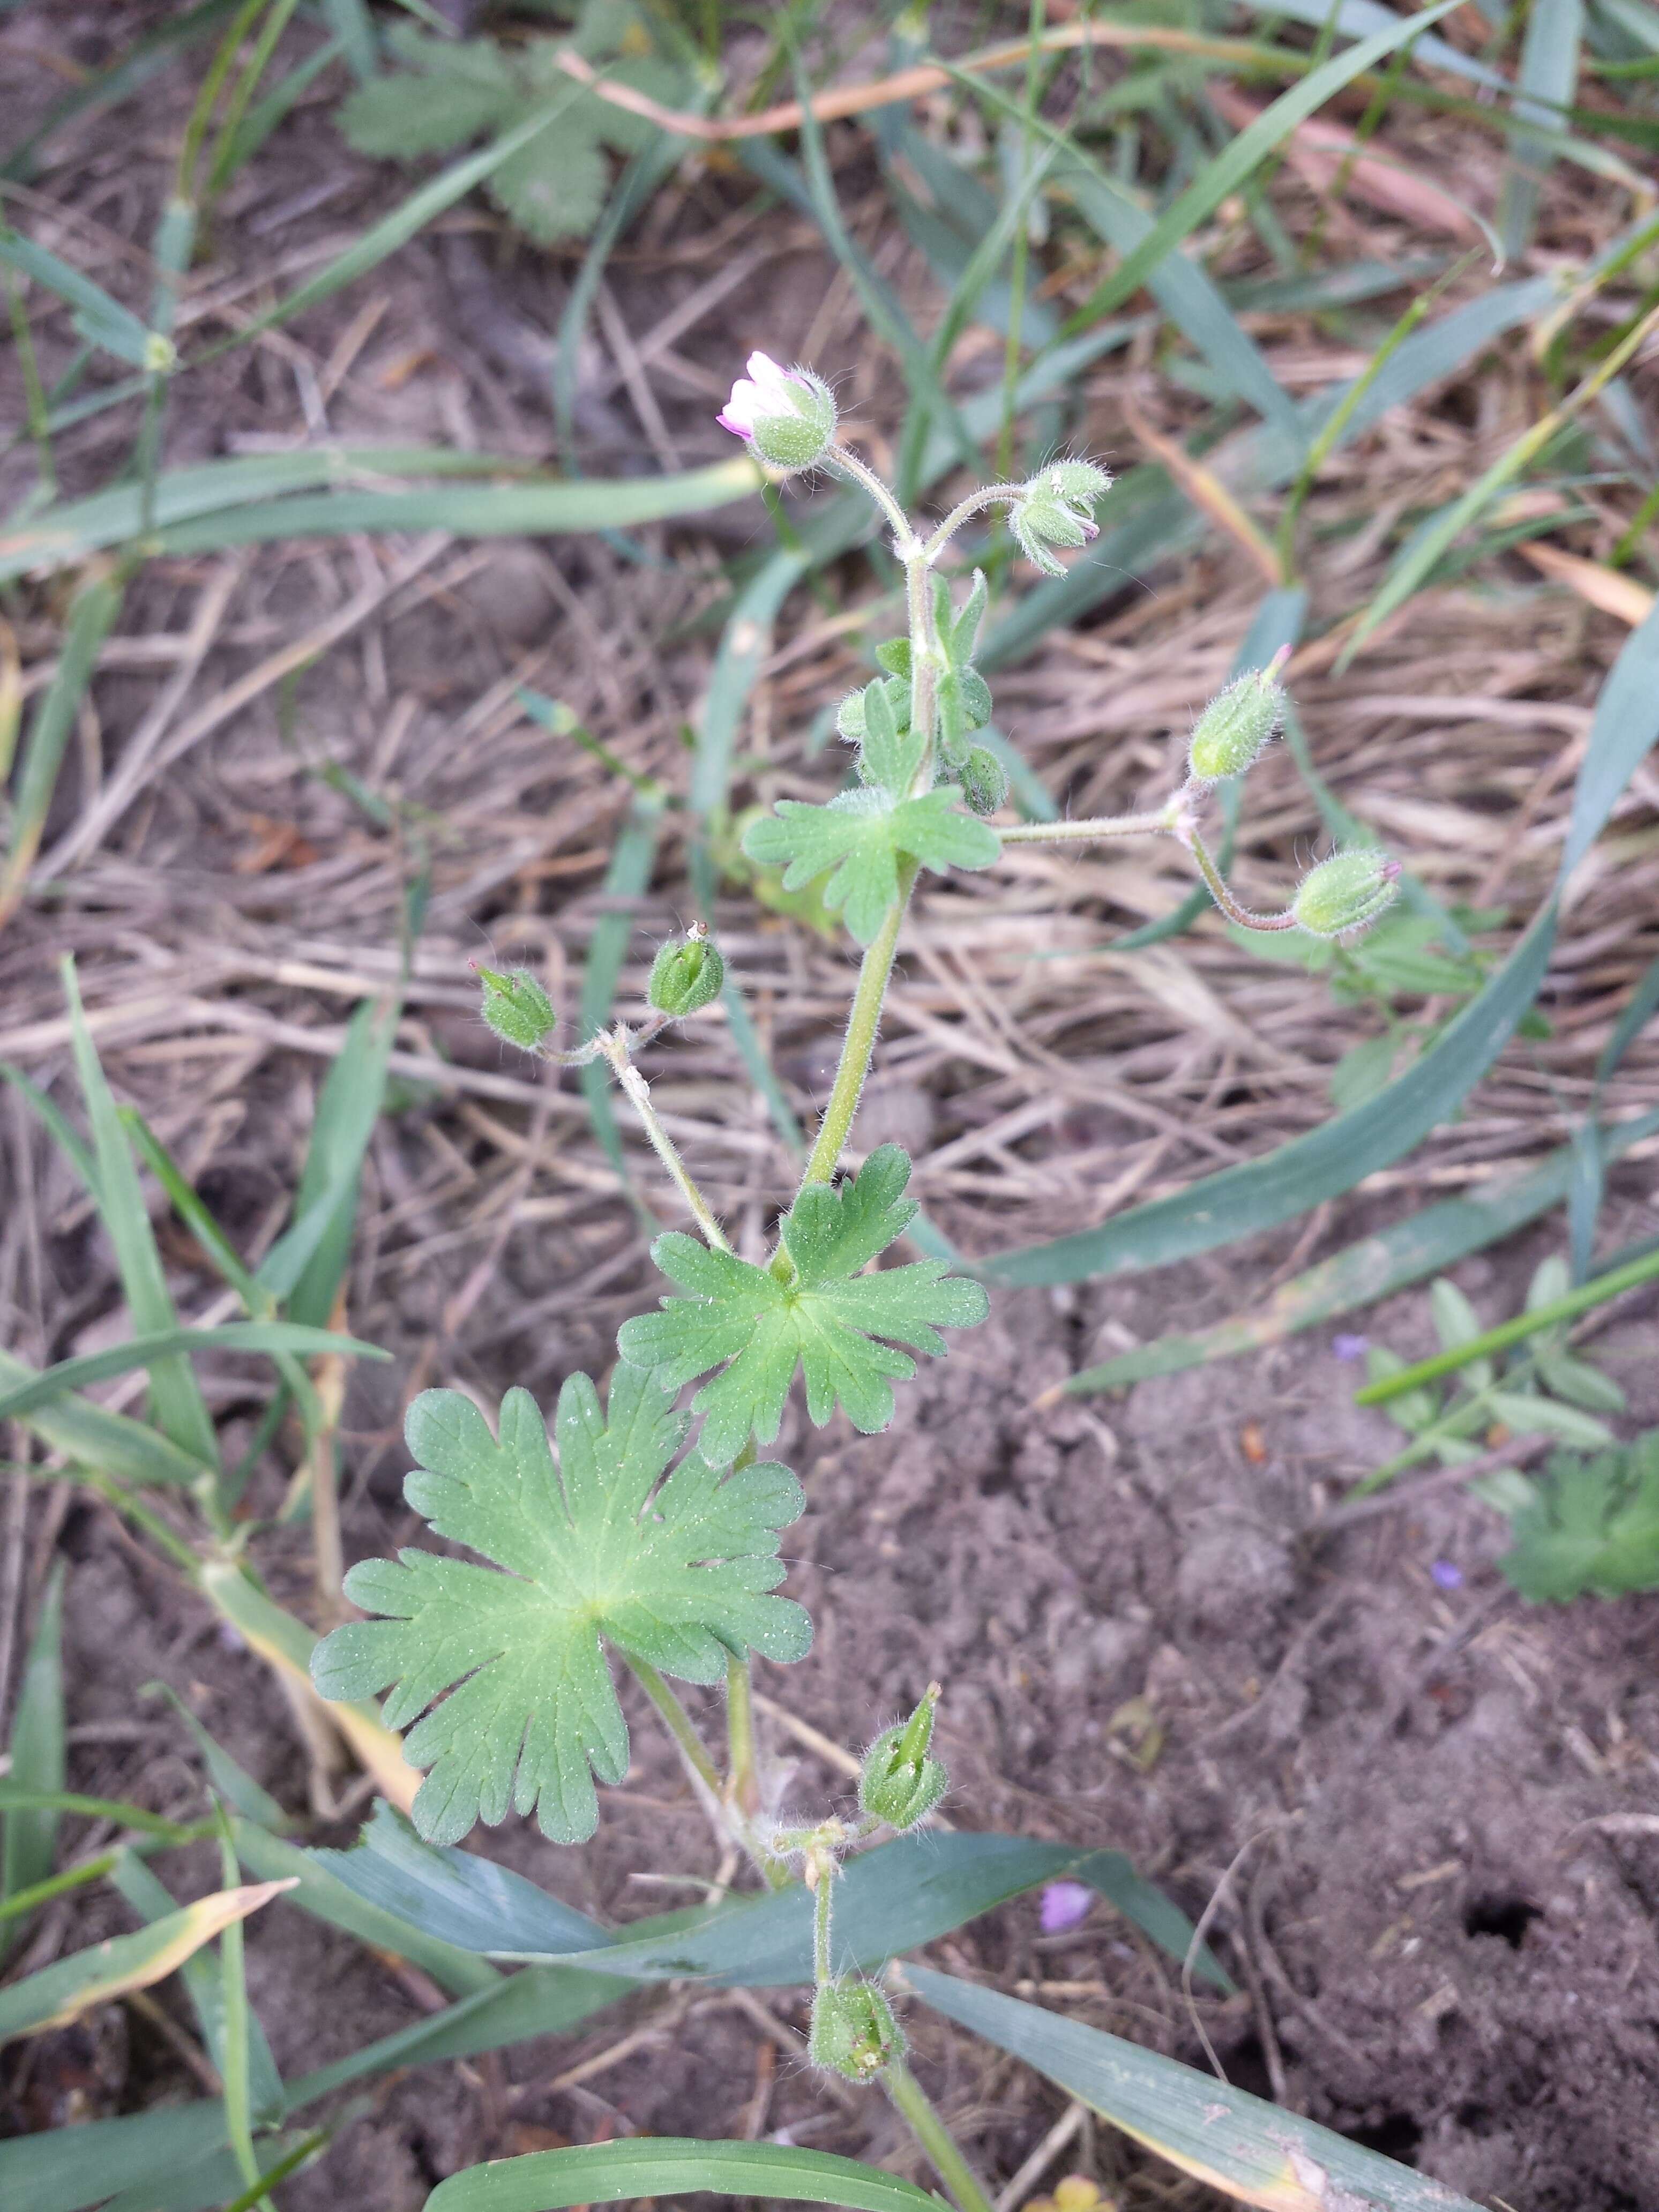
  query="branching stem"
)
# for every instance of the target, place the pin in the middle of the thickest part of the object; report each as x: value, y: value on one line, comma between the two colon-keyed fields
x: 838, y: 457
x: 975, y: 503
x: 637, y: 1090
x: 1245, y: 916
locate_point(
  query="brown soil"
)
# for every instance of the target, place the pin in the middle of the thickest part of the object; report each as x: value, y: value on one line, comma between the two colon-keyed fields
x: 1390, y: 1788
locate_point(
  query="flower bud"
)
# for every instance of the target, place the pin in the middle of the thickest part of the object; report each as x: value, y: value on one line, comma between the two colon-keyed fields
x: 851, y: 718
x: 686, y: 977
x: 898, y: 1783
x: 984, y: 780
x: 1055, y: 509
x: 1232, y: 731
x: 1346, y: 892
x: 516, y: 1008
x: 854, y: 2032
x: 788, y: 415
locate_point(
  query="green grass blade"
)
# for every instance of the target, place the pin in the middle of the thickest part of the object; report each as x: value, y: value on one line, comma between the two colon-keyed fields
x: 60, y: 1993
x: 1549, y: 75
x: 354, y: 26
x: 1584, y: 1299
x: 15, y: 1795
x: 1243, y: 155
x: 1643, y: 1007
x: 110, y: 1443
x: 1258, y: 2153
x: 237, y: 2029
x: 317, y: 1891
x: 202, y: 1977
x: 548, y: 510
x: 665, y: 2165
x: 56, y: 1125
x: 28, y: 1833
x: 1624, y: 731
x: 1237, y: 1202
x: 405, y: 221
x: 1374, y: 1268
x: 195, y: 1216
x: 92, y: 616
x: 890, y: 1900
x: 306, y: 1265
x: 177, y: 1405
x: 161, y: 1348
x: 141, y: 60
x: 102, y: 321
x: 238, y: 1788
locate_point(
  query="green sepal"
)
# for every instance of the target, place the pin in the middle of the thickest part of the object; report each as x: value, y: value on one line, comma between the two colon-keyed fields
x: 850, y: 713
x: 893, y: 654
x: 795, y: 434
x: 1346, y: 892
x: 898, y: 1783
x: 1232, y: 732
x: 984, y: 780
x: 960, y: 638
x: 686, y: 977
x: 854, y: 2032
x: 516, y: 1008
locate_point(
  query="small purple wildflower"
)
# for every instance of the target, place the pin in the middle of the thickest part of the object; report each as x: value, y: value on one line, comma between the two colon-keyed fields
x: 1349, y: 1347
x: 1447, y: 1575
x: 1064, y: 1903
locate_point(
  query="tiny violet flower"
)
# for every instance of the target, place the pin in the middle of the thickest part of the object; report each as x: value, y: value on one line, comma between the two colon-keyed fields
x: 1064, y: 1904
x: 788, y: 415
x: 1349, y: 1347
x: 1447, y: 1575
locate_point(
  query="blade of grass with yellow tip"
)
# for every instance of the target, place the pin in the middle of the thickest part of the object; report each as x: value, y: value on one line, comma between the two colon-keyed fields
x: 61, y: 1993
x: 285, y: 1644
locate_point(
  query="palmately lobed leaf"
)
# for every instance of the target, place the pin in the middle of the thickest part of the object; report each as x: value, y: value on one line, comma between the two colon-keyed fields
x: 862, y: 836
x: 597, y: 1549
x: 1592, y: 1525
x: 828, y: 1322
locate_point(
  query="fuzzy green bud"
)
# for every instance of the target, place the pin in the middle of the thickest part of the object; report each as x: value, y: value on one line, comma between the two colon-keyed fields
x: 898, y: 1783
x: 516, y: 1008
x: 1346, y: 892
x: 684, y: 977
x: 1054, y: 508
x: 1233, y: 729
x: 984, y: 780
x: 854, y: 2032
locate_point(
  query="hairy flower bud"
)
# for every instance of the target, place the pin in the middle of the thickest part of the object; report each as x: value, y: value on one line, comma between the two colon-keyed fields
x: 1346, y: 892
x: 787, y: 414
x: 984, y: 780
x: 854, y: 2032
x: 686, y: 977
x: 898, y: 1783
x: 1054, y: 508
x: 1233, y: 729
x: 516, y: 1008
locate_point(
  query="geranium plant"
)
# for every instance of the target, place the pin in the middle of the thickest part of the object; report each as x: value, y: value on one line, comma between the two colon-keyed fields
x: 649, y: 1536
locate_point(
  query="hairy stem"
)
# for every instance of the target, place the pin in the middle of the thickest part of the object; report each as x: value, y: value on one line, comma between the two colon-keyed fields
x: 860, y: 1043
x: 1086, y: 832
x: 913, y: 2107
x: 838, y: 457
x: 637, y: 1091
x: 975, y: 503
x: 742, y: 1780
x: 1245, y: 916
x: 822, y: 1970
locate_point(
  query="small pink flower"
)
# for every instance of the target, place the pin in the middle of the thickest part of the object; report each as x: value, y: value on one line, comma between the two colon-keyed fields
x: 1064, y: 1904
x: 762, y: 392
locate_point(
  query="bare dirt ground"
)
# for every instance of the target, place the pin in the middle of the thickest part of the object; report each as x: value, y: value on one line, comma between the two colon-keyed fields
x: 1145, y: 1642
